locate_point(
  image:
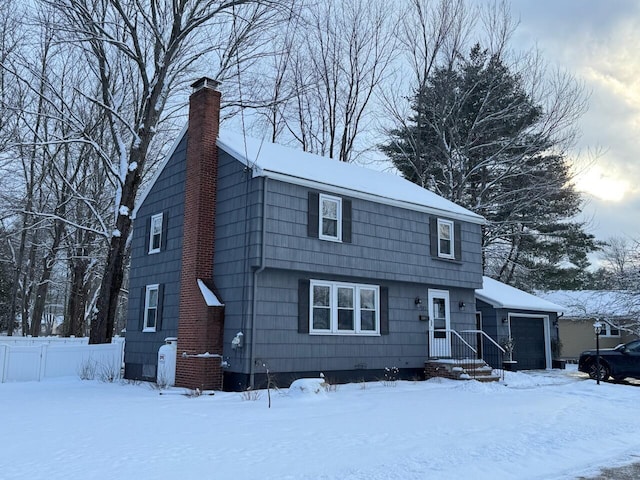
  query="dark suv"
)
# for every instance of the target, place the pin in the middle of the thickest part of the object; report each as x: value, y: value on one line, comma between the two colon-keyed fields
x: 620, y: 362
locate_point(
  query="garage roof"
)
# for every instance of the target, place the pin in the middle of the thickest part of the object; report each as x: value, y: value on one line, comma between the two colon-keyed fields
x: 501, y: 295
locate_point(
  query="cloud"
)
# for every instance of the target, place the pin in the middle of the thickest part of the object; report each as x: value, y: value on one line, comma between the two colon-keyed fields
x: 597, y: 42
x: 607, y: 219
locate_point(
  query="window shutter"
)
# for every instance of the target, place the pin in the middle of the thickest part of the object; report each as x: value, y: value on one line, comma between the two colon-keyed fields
x: 143, y: 305
x: 303, y: 306
x: 313, y: 214
x: 433, y: 236
x: 147, y: 234
x: 346, y: 220
x: 384, y: 310
x: 159, y: 310
x: 457, y: 241
x: 163, y: 239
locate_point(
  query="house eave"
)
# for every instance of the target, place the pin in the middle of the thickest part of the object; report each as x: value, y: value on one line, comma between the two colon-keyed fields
x: 514, y: 306
x: 304, y: 182
x: 258, y: 171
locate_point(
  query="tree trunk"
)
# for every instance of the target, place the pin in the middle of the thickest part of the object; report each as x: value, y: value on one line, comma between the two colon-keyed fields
x: 43, y: 284
x: 111, y: 285
x: 27, y: 287
x: 79, y: 292
x: 16, y: 276
x: 107, y: 305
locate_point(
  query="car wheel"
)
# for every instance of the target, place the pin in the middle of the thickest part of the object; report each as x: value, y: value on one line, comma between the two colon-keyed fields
x: 604, y: 371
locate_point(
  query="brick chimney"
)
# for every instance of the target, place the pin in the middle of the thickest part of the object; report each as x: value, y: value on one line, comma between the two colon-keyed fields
x: 200, y: 327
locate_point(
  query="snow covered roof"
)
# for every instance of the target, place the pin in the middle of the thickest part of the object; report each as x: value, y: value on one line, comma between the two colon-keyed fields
x: 210, y: 298
x: 595, y: 303
x: 294, y: 166
x: 501, y: 295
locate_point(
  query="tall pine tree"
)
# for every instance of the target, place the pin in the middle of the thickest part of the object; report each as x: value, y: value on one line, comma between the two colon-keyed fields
x: 477, y: 138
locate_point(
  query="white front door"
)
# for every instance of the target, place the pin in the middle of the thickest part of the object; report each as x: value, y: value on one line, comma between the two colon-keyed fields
x: 439, y: 324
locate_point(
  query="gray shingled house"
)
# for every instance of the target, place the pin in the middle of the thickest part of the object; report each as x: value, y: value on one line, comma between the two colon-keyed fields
x: 529, y: 321
x: 256, y: 256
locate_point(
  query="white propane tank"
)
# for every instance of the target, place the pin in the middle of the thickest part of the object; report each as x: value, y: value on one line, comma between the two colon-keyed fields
x: 167, y: 362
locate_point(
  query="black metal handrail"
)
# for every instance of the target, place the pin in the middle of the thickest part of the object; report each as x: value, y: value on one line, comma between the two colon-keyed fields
x: 473, y: 352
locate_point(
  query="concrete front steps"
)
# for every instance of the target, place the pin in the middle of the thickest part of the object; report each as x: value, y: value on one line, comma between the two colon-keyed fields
x: 466, y: 369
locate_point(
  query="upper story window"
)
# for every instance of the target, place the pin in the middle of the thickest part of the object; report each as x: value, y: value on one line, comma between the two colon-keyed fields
x: 155, y: 233
x: 446, y: 238
x: 330, y: 226
x: 344, y: 308
x: 329, y: 217
x: 151, y: 308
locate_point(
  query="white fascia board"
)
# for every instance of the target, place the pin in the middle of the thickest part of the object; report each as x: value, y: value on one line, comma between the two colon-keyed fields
x: 515, y: 306
x: 258, y: 172
x: 158, y: 171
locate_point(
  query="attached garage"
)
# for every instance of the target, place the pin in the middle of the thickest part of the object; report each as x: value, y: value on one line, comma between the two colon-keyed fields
x: 529, y: 342
x: 505, y: 312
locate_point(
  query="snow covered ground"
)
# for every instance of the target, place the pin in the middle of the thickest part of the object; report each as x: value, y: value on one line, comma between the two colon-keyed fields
x: 538, y: 425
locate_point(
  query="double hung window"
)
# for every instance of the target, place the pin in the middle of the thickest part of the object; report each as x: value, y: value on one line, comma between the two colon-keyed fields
x: 151, y: 308
x: 330, y: 218
x: 155, y: 234
x: 445, y: 238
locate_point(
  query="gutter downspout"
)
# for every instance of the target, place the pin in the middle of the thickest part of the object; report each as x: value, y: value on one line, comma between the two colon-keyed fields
x: 254, y: 301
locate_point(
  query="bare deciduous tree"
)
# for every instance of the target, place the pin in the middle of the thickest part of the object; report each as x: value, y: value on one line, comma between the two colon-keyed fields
x: 328, y: 67
x: 140, y: 52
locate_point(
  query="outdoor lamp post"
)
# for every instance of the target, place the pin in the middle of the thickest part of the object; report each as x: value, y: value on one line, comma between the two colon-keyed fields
x: 597, y: 326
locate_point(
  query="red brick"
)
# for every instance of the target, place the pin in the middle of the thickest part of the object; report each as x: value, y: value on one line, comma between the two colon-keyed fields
x: 199, y: 326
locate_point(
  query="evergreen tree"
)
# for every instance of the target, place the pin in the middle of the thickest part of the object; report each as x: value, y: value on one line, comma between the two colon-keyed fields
x: 478, y: 138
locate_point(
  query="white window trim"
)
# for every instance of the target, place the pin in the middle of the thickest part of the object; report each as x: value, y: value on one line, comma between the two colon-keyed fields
x: 148, y: 290
x: 154, y: 219
x: 338, y: 200
x: 606, y: 330
x: 452, y: 239
x: 333, y: 305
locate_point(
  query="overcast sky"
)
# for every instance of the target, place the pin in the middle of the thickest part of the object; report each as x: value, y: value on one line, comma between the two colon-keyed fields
x: 599, y: 42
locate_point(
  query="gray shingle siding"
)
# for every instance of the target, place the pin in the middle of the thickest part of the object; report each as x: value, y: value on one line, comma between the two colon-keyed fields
x: 283, y: 349
x: 390, y: 246
x: 388, y: 242
x: 167, y: 197
x: 492, y: 317
x: 237, y: 250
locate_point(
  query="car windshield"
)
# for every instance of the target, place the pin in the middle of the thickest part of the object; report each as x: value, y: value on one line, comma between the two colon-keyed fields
x: 633, y: 346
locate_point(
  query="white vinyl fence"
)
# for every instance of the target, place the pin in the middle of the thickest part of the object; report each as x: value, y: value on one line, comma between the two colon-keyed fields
x: 33, y: 359
x: 20, y: 340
